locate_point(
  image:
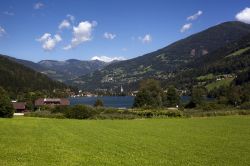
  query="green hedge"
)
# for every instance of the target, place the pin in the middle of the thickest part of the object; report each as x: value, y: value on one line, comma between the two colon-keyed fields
x: 45, y: 114
x: 80, y: 112
x: 89, y: 112
x: 157, y: 113
x: 245, y: 105
x: 201, y: 113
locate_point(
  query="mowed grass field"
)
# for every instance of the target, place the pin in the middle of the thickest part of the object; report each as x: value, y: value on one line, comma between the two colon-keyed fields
x: 191, y: 141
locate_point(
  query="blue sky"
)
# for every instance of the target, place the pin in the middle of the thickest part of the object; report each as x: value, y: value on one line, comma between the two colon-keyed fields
x: 83, y: 29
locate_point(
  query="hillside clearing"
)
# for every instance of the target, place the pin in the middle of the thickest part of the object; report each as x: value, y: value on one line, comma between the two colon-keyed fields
x: 217, y: 84
x: 238, y: 52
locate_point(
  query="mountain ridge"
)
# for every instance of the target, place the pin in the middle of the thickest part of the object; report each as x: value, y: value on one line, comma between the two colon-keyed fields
x: 164, y: 63
x: 63, y: 70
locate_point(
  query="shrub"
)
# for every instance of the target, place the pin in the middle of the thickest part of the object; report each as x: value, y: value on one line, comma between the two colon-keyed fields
x: 112, y: 113
x: 201, y: 113
x: 211, y: 106
x: 45, y: 114
x: 117, y: 115
x: 158, y: 113
x: 144, y: 114
x: 191, y: 104
x: 45, y: 108
x: 98, y: 103
x: 170, y: 113
x: 108, y: 110
x: 80, y: 112
x: 222, y: 100
x: 245, y: 105
x: 244, y: 112
x: 60, y: 109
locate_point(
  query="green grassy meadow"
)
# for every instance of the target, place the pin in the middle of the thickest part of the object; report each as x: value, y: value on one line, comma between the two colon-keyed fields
x: 191, y: 141
x: 217, y: 84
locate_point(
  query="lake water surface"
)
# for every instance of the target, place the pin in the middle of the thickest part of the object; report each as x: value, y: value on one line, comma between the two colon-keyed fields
x: 111, y: 101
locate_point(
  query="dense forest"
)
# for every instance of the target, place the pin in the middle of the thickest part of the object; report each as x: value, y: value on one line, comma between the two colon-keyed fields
x: 19, y: 80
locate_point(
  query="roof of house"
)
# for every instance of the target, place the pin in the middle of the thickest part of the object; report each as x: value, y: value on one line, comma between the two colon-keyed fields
x: 19, y: 105
x: 65, y: 101
x: 43, y: 101
x: 51, y: 100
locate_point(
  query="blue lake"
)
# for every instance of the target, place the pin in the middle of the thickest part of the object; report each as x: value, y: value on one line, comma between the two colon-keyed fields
x: 112, y: 101
x: 109, y: 101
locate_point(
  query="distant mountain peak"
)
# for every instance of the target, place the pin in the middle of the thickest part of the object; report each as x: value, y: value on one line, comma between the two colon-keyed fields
x: 107, y: 59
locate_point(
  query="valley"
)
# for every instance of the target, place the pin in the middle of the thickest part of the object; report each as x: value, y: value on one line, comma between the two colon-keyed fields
x: 133, y: 83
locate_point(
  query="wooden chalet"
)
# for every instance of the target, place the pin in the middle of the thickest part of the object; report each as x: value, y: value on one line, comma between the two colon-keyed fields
x: 20, y: 107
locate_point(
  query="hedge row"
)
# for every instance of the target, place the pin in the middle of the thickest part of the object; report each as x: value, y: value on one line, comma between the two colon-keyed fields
x: 88, y: 112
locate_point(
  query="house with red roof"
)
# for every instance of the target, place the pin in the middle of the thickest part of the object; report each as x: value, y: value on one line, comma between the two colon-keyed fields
x: 20, y: 107
x: 52, y: 102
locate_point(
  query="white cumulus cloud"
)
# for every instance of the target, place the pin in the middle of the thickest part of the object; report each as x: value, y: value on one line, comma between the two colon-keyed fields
x: 67, y: 23
x: 146, y: 39
x: 38, y: 5
x: 195, y: 16
x: 244, y: 15
x: 81, y: 33
x: 186, y: 27
x: 49, y: 42
x: 71, y: 17
x: 2, y: 31
x: 64, y: 24
x: 110, y: 36
x: 107, y: 59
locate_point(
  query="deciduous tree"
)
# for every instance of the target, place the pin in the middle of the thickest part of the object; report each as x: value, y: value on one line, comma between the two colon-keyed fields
x: 171, y: 98
x: 6, y: 107
x: 149, y: 95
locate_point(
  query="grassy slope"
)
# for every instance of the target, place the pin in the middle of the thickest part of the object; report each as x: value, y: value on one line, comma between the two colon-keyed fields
x: 198, y: 141
x: 205, y: 77
x: 217, y: 84
x: 239, y: 52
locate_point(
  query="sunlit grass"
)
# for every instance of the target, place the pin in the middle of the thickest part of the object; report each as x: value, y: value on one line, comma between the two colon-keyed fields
x: 192, y: 141
x: 217, y: 84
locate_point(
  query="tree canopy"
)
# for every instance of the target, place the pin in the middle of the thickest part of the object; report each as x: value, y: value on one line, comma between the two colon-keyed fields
x: 149, y: 95
x: 171, y: 98
x: 6, y: 107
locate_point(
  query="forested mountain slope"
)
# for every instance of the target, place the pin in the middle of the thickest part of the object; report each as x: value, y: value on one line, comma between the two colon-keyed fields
x: 17, y: 78
x: 164, y: 64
